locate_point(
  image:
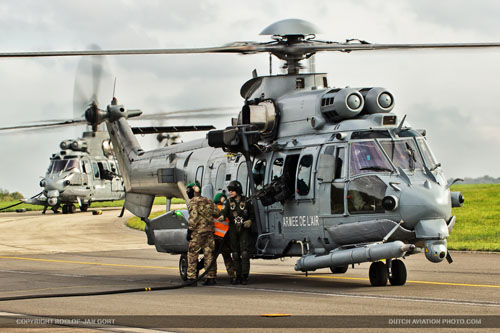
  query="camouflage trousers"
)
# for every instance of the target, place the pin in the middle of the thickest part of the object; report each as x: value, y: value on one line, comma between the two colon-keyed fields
x: 225, y: 250
x: 201, y: 241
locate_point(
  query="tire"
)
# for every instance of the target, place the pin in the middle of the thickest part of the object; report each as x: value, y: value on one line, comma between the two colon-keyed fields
x: 84, y: 207
x: 183, y: 266
x: 378, y: 274
x: 71, y: 208
x: 398, y: 273
x: 65, y: 209
x: 339, y: 269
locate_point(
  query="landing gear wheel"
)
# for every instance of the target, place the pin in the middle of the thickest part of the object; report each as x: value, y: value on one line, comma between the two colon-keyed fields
x: 65, y: 209
x: 398, y: 273
x: 71, y: 208
x: 84, y: 207
x: 183, y: 266
x: 339, y: 269
x: 378, y: 274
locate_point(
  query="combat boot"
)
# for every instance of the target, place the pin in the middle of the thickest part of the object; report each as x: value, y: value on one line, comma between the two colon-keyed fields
x: 237, y: 280
x: 209, y: 282
x: 244, y: 279
x: 190, y: 283
x: 233, y: 280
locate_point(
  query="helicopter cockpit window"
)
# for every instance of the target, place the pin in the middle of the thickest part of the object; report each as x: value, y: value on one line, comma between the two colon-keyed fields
x: 277, y: 169
x: 366, y: 156
x: 51, y: 164
x: 403, y: 153
x: 429, y: 158
x: 64, y: 165
x: 72, y: 164
x: 304, y: 175
x: 258, y: 173
x: 365, y: 195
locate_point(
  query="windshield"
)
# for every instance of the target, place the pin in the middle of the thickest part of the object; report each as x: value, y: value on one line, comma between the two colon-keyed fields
x: 64, y: 165
x: 403, y: 153
x: 429, y: 158
x: 366, y: 156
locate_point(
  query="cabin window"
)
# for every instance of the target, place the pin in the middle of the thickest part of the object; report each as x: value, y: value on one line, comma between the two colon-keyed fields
x: 300, y: 83
x: 366, y: 156
x: 95, y: 168
x: 242, y: 176
x: 258, y: 173
x: 199, y: 175
x: 304, y: 175
x: 365, y: 195
x: 277, y: 169
x: 219, y: 179
x: 112, y: 167
x: 337, y: 198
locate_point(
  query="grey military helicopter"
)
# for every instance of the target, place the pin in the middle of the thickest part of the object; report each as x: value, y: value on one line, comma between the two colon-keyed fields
x: 335, y: 176
x: 83, y: 171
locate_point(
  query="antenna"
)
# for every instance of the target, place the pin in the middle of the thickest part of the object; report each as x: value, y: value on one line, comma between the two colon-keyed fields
x: 114, y: 88
x: 400, y: 125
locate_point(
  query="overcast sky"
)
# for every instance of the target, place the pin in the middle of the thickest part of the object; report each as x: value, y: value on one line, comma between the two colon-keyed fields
x: 452, y: 94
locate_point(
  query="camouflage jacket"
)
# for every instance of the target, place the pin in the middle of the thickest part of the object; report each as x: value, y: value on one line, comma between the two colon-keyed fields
x: 201, y: 213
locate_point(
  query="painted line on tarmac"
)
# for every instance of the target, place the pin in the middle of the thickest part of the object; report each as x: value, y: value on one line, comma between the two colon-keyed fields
x: 408, y: 281
x: 86, y: 263
x: 310, y: 276
x: 367, y: 296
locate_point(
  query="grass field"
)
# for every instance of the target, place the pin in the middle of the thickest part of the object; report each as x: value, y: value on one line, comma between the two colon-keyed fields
x: 119, y: 203
x: 478, y: 221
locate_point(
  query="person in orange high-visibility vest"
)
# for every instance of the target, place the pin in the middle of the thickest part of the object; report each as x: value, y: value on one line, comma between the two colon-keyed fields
x: 221, y: 240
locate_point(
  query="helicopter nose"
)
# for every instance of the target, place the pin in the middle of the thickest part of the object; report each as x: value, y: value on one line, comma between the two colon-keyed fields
x: 52, y: 201
x: 421, y: 203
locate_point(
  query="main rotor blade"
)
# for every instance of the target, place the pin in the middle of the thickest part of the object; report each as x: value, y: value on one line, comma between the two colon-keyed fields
x: 305, y: 47
x: 233, y: 48
x: 364, y: 46
x: 194, y: 113
x: 41, y: 126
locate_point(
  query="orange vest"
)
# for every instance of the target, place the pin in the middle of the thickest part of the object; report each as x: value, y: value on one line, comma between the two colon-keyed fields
x: 221, y: 227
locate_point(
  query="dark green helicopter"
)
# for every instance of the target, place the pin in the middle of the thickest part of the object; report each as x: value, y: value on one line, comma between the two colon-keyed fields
x: 335, y: 176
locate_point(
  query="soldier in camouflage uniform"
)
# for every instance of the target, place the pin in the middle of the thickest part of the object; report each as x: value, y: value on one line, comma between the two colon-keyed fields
x: 200, y: 234
x: 240, y: 214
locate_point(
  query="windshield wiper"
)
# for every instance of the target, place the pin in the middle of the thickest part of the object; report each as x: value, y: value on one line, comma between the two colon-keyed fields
x: 376, y: 168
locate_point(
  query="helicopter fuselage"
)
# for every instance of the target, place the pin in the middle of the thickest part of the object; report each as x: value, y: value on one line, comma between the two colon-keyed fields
x: 336, y: 178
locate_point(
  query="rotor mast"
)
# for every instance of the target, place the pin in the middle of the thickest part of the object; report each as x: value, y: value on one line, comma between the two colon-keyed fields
x: 290, y: 33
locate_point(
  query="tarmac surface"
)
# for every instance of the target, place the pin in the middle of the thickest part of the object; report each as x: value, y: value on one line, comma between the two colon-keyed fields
x: 80, y: 253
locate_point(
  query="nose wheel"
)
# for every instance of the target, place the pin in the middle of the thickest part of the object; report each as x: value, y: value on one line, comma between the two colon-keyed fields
x: 394, y: 271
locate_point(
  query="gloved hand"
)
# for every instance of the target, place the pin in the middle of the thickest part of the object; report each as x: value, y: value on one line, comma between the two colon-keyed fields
x: 247, y: 224
x: 188, y: 236
x: 221, y: 218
